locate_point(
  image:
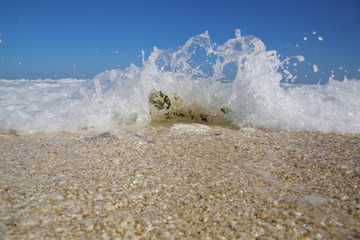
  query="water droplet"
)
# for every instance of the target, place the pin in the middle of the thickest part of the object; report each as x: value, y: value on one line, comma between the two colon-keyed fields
x: 315, y: 67
x: 237, y: 33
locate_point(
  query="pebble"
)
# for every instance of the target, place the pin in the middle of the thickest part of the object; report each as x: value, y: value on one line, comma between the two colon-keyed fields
x: 344, y: 198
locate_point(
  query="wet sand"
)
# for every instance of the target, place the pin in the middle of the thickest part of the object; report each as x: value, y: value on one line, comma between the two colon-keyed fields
x: 186, y: 182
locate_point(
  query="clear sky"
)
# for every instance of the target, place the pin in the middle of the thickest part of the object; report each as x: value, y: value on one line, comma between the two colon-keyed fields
x: 79, y: 39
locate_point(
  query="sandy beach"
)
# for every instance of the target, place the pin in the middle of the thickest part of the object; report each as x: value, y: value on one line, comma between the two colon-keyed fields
x: 183, y: 182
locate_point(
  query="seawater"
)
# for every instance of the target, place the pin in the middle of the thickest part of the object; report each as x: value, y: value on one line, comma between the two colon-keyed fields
x: 239, y: 82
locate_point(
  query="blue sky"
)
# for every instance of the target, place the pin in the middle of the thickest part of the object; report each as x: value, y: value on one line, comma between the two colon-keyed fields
x: 79, y: 39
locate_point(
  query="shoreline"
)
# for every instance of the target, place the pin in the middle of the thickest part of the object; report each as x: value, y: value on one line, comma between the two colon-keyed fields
x: 184, y: 182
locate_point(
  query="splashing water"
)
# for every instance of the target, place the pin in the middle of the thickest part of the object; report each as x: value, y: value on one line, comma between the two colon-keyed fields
x: 237, y: 82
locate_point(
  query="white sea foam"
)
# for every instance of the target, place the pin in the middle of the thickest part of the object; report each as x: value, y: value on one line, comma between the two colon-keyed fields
x: 189, y: 128
x: 239, y: 80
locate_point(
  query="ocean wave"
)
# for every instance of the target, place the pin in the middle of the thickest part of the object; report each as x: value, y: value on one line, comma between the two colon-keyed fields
x: 239, y: 82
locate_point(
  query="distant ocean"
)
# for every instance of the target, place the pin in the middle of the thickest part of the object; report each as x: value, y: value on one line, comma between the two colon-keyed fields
x: 239, y: 82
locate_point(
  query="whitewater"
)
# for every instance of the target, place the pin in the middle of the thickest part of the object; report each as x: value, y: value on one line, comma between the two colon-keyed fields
x: 239, y: 83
